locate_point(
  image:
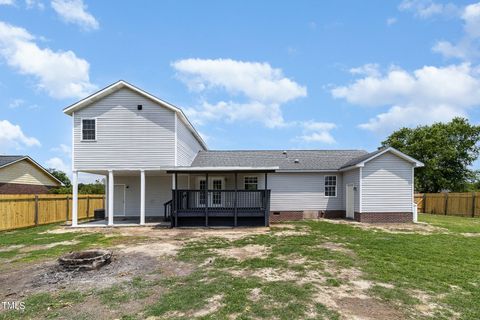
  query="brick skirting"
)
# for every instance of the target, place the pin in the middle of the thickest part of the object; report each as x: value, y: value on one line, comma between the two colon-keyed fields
x: 280, y: 216
x: 17, y: 188
x: 384, y: 217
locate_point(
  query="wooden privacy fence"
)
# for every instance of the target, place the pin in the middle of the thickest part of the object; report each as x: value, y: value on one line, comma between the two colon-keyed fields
x: 19, y: 210
x: 464, y: 204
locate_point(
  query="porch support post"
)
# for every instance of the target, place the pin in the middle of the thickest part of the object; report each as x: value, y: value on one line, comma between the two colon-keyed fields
x: 105, y: 187
x: 75, y: 199
x: 266, y: 194
x: 235, y: 201
x: 174, y: 198
x: 206, y: 199
x: 142, y: 197
x: 110, y: 197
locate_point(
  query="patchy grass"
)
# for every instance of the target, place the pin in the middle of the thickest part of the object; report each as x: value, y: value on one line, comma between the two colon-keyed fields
x: 32, y: 244
x: 305, y: 271
x: 452, y: 223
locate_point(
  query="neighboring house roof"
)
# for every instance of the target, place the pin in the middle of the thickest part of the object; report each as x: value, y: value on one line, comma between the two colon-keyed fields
x: 290, y: 160
x: 123, y: 84
x: 6, y: 160
x: 9, y: 160
x: 360, y: 161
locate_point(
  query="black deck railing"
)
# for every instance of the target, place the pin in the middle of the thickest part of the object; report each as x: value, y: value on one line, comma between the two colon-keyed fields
x: 234, y: 204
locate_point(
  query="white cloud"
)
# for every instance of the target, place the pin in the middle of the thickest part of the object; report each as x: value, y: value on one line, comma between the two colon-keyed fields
x: 58, y: 163
x: 467, y: 47
x: 318, y: 132
x: 391, y: 21
x: 12, y: 136
x: 265, y: 89
x: 7, y: 2
x: 428, y: 8
x: 425, y: 95
x: 16, y: 103
x: 63, y: 149
x: 34, y: 4
x: 75, y: 11
x: 369, y: 69
x: 60, y: 73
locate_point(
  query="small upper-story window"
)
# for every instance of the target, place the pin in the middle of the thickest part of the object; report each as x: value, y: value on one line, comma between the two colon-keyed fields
x: 251, y: 183
x: 330, y: 186
x: 88, y: 130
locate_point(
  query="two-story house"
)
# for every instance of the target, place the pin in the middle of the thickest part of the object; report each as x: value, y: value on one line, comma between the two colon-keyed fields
x: 156, y: 164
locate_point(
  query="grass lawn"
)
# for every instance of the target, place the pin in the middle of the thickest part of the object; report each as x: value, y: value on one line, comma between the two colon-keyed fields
x: 306, y: 270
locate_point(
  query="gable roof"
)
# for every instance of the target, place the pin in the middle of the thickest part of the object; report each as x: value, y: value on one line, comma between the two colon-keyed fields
x: 361, y: 160
x: 9, y: 160
x: 123, y: 84
x: 308, y: 160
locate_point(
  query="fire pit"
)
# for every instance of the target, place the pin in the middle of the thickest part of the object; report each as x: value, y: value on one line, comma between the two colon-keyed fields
x: 85, y: 260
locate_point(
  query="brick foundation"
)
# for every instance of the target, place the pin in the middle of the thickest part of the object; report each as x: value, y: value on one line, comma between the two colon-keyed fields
x: 17, y: 188
x: 384, y: 217
x: 280, y: 216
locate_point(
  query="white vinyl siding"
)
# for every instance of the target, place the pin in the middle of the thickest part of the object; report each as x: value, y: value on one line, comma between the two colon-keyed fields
x: 187, y: 145
x: 302, y: 191
x: 158, y: 190
x: 24, y: 172
x: 125, y: 137
x: 353, y: 176
x: 387, y: 184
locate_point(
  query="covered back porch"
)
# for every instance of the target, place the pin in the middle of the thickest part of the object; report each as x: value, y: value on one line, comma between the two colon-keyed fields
x: 183, y: 196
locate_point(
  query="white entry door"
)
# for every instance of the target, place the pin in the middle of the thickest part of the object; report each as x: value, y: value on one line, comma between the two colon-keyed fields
x: 349, y: 199
x: 119, y: 200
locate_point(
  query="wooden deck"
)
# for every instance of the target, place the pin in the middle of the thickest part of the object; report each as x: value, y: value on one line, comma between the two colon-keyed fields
x: 219, y: 208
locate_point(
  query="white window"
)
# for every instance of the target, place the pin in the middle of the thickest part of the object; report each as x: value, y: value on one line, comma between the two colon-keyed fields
x: 251, y: 183
x: 89, y: 128
x: 330, y: 186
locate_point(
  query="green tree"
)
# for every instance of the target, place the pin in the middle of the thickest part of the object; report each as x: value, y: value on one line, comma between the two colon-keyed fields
x: 60, y: 175
x: 446, y: 149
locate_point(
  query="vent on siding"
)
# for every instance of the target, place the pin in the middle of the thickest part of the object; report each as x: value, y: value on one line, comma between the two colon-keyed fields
x: 139, y: 107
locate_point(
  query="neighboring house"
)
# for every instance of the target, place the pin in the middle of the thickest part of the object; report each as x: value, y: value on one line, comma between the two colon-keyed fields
x: 156, y: 165
x: 22, y: 175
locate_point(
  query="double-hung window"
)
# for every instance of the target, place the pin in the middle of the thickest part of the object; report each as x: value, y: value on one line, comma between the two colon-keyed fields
x: 89, y: 130
x: 330, y: 186
x: 251, y: 183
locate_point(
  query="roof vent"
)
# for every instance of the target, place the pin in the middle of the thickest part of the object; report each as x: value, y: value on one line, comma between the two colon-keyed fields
x: 284, y: 153
x: 296, y: 161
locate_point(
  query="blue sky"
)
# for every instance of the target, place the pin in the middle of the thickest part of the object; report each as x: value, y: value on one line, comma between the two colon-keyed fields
x: 250, y: 74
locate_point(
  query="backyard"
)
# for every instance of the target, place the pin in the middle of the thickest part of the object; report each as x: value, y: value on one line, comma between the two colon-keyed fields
x: 327, y: 269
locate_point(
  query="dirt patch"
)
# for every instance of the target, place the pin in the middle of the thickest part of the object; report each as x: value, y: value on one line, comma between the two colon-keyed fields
x: 12, y: 247
x: 184, y: 234
x: 289, y: 233
x: 355, y: 308
x: 337, y: 247
x: 470, y: 234
x: 255, y: 294
x: 49, y: 277
x: 48, y: 246
x: 245, y: 252
x: 153, y: 249
x: 213, y: 304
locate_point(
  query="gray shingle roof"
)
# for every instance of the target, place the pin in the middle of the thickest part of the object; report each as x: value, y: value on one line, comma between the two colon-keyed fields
x: 4, y: 160
x: 307, y: 159
x: 361, y: 158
